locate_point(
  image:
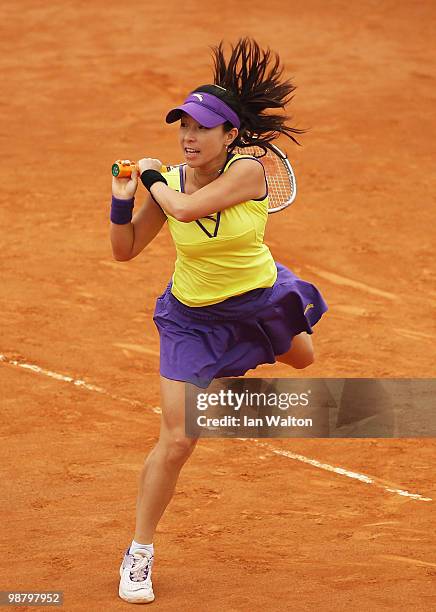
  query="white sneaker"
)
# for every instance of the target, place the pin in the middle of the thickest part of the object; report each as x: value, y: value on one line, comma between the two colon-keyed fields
x: 135, y: 572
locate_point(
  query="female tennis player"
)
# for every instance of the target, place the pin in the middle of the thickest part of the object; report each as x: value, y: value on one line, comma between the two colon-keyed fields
x: 229, y: 306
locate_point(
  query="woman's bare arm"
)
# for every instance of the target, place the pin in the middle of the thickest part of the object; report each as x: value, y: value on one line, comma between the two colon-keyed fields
x: 130, y: 239
x: 244, y: 180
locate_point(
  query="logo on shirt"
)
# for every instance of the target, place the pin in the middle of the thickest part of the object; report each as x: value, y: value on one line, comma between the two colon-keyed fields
x: 216, y: 220
x: 199, y: 96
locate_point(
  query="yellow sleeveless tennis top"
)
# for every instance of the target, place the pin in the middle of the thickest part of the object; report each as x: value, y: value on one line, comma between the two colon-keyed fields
x: 221, y: 255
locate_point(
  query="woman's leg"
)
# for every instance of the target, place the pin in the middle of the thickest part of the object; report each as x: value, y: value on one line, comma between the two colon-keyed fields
x: 301, y: 354
x: 163, y: 464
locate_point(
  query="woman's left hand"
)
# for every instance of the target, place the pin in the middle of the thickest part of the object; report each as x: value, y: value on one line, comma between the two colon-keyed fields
x: 148, y: 163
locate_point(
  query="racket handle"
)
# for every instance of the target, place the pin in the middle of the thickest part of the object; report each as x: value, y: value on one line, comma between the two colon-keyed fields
x: 122, y: 168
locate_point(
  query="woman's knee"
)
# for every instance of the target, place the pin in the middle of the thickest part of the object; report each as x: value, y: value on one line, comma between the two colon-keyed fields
x: 177, y: 448
x: 173, y: 442
x: 301, y: 353
x: 306, y: 355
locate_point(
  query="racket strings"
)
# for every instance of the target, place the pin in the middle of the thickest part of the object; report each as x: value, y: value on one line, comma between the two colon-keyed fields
x: 280, y: 181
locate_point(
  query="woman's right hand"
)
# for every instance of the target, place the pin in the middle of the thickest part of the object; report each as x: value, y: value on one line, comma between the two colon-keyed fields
x: 125, y: 188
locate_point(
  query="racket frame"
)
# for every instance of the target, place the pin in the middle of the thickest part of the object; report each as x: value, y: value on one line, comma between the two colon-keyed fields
x: 274, y: 150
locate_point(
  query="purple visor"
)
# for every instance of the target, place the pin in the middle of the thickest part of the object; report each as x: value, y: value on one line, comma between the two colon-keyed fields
x: 205, y: 108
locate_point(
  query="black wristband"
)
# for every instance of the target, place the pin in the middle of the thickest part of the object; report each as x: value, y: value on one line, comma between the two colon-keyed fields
x: 150, y: 177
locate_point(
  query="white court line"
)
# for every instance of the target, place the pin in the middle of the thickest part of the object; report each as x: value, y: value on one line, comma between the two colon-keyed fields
x: 68, y: 379
x: 290, y: 455
x: 338, y: 470
x: 342, y: 280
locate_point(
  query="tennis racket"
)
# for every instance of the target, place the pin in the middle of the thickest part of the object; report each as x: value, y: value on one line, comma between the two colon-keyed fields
x: 282, y: 186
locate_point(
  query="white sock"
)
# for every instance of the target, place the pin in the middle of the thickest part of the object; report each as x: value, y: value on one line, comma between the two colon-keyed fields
x: 135, y: 546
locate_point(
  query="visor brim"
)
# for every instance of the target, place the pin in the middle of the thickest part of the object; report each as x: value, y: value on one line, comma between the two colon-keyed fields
x: 204, y: 116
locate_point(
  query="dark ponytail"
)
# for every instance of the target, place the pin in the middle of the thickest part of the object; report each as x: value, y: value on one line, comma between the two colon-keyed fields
x: 250, y: 83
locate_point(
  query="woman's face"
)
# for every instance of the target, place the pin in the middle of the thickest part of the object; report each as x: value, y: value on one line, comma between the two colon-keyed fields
x: 201, y: 145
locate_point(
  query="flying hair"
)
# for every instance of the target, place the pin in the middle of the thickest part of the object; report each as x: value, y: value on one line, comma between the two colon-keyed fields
x: 251, y: 82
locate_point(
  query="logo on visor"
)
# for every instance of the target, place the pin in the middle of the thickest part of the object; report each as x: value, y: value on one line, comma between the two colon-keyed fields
x: 199, y: 96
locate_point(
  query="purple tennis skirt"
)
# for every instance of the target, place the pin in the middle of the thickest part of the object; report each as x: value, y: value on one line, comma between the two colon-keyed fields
x: 198, y: 344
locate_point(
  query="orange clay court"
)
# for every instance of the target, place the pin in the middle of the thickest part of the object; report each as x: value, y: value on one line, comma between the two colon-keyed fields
x: 86, y: 83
